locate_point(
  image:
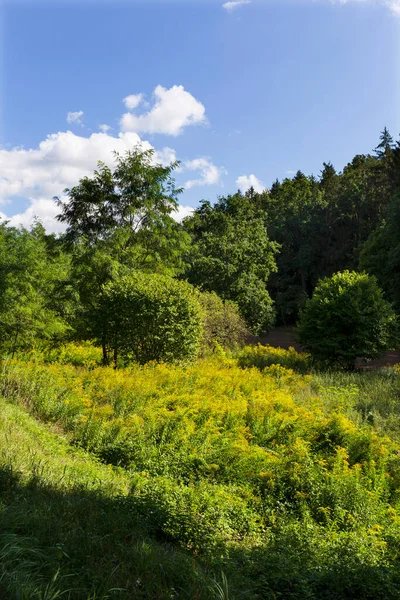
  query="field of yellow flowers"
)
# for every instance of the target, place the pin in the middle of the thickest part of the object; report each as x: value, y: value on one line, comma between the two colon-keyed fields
x: 246, y: 462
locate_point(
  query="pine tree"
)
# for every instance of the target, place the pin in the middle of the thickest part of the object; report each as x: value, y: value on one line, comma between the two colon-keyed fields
x: 385, y: 146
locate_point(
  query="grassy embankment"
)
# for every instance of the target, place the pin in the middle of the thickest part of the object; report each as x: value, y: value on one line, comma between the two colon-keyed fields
x: 212, y: 481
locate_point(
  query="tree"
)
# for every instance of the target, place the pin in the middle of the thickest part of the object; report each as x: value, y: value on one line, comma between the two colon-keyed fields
x: 381, y: 253
x: 233, y: 256
x: 347, y: 317
x: 222, y: 323
x: 385, y: 145
x: 117, y: 221
x: 33, y: 295
x: 127, y: 213
x: 294, y: 215
x: 145, y: 317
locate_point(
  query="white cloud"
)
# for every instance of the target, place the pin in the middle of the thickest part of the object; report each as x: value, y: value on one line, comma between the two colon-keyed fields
x: 43, y: 209
x: 131, y: 102
x: 75, y: 117
x: 395, y: 6
x: 173, y: 110
x: 209, y: 173
x: 182, y: 212
x: 60, y: 161
x: 229, y: 6
x: 245, y: 182
x: 63, y: 158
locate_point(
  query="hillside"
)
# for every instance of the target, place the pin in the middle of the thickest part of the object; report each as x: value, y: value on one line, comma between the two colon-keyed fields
x: 219, y: 480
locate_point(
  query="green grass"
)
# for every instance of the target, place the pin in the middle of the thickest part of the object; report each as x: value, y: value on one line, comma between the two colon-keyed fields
x: 372, y: 397
x: 67, y: 529
x: 238, y: 483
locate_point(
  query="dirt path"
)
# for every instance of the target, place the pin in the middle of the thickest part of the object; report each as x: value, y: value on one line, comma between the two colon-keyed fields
x: 283, y: 337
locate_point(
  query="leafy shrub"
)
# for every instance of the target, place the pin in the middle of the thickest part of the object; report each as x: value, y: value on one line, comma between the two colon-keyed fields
x: 347, y: 317
x: 264, y: 356
x: 150, y: 317
x: 222, y: 323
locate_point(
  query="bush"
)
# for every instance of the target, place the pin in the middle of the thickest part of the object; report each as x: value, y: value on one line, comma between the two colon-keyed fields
x: 347, y: 317
x: 222, y: 323
x: 146, y: 317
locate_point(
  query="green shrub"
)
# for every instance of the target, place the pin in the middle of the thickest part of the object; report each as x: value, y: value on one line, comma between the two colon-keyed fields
x: 145, y: 317
x: 347, y: 317
x: 222, y: 323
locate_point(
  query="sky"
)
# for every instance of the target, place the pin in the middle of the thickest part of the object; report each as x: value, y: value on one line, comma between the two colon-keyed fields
x: 241, y: 92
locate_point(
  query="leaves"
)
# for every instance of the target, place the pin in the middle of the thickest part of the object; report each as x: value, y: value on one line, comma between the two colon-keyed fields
x: 346, y: 318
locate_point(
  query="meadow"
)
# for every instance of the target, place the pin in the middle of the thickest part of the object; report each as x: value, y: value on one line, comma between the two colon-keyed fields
x: 244, y: 475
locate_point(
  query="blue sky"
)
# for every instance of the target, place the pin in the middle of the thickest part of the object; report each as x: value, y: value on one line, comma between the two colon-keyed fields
x: 239, y: 94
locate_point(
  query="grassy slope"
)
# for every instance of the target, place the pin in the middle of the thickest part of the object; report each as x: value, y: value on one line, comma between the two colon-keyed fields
x: 65, y: 527
x: 297, y: 517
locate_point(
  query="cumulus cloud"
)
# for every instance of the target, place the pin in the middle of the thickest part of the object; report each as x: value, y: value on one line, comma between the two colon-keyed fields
x: 63, y: 158
x: 75, y: 117
x: 43, y: 209
x: 229, y: 6
x: 182, y: 212
x: 209, y: 173
x: 58, y: 163
x: 131, y: 102
x: 245, y: 182
x: 172, y: 111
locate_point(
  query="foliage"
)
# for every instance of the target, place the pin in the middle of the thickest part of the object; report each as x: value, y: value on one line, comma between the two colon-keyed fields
x: 145, y: 317
x: 294, y: 216
x: 381, y: 253
x: 233, y: 256
x: 262, y: 474
x: 67, y: 529
x: 127, y: 212
x: 33, y: 299
x: 346, y: 318
x: 118, y: 221
x: 222, y: 323
x: 84, y: 354
x: 264, y: 356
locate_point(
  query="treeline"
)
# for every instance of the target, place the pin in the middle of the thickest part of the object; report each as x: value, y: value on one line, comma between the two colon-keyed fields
x: 261, y: 253
x: 303, y: 229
